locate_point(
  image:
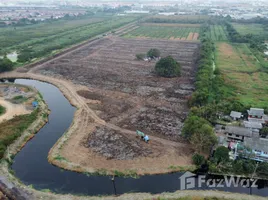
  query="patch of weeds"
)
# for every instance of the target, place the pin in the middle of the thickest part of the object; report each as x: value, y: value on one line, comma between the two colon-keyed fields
x: 46, y: 190
x: 101, y: 172
x: 31, y: 186
x: 60, y: 158
x: 118, y: 173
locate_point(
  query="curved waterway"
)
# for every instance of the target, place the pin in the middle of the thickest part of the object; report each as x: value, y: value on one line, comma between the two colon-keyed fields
x: 32, y: 168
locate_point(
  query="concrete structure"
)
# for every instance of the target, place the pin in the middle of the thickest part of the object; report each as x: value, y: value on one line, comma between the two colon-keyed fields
x: 235, y: 133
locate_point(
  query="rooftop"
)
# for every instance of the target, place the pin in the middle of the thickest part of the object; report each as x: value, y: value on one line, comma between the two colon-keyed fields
x: 256, y: 111
x: 260, y: 144
x: 255, y: 125
x: 236, y: 114
x: 242, y: 131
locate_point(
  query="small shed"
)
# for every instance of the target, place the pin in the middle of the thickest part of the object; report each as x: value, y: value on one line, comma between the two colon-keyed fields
x: 236, y: 115
x: 35, y: 104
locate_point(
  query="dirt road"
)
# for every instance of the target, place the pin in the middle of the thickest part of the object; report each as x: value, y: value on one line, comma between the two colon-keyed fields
x: 12, y: 110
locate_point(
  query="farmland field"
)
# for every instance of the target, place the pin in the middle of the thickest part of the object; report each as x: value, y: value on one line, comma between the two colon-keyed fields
x: 217, y: 33
x: 44, y: 38
x: 166, y: 31
x: 242, y: 70
x: 254, y: 29
x: 126, y: 93
x: 188, y: 19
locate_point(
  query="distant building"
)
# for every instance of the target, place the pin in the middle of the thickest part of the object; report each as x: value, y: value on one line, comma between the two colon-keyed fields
x: 254, y: 126
x: 256, y: 115
x: 236, y: 133
x: 236, y: 115
x: 259, y: 148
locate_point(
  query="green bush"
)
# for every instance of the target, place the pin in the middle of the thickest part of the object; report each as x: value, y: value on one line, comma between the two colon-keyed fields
x: 168, y: 67
x: 198, y: 159
x: 153, y: 53
x: 2, y: 110
x: 221, y: 154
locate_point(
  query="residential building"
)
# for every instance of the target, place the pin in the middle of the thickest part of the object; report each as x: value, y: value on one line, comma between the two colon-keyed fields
x: 259, y: 148
x: 236, y: 115
x: 236, y: 133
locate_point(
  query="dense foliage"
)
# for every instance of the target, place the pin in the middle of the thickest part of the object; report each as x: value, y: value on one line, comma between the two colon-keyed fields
x: 198, y: 159
x: 5, y: 65
x: 2, y: 110
x: 168, y: 67
x: 199, y: 132
x: 264, y: 132
x: 221, y: 154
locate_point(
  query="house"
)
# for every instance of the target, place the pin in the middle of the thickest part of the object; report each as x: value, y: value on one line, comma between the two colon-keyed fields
x: 259, y: 148
x: 254, y: 126
x: 236, y: 115
x: 236, y: 133
x: 256, y: 113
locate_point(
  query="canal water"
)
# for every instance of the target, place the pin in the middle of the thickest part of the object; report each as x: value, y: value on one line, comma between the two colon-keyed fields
x: 32, y: 168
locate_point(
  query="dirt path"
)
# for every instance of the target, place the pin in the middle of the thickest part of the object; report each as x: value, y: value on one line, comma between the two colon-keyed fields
x: 12, y: 110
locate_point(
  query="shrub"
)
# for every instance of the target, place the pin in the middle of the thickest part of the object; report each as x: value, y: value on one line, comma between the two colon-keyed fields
x: 168, y: 67
x: 198, y: 159
x: 140, y: 56
x: 153, y: 53
x: 2, y: 110
x: 221, y: 154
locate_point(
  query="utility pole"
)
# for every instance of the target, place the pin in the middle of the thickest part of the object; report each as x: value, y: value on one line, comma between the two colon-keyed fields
x: 113, y: 180
x: 252, y: 180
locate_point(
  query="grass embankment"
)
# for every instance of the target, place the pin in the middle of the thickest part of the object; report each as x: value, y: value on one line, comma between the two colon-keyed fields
x: 166, y: 31
x: 242, y: 70
x: 2, y: 110
x: 12, y: 129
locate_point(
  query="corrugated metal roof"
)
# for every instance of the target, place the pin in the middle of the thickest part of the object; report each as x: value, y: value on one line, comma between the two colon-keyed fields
x: 256, y: 111
x: 242, y: 131
x: 256, y: 125
x: 260, y: 144
x: 236, y: 114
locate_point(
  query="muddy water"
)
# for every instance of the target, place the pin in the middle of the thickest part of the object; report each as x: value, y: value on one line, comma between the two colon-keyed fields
x: 32, y: 168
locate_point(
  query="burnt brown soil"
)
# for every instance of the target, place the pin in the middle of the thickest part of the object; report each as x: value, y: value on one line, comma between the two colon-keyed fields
x: 127, y: 95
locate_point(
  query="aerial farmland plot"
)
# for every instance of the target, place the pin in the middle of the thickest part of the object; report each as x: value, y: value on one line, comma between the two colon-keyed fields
x: 129, y: 96
x: 166, y: 31
x: 242, y: 70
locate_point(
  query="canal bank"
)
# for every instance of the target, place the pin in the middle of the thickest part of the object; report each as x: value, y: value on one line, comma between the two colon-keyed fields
x: 31, y: 166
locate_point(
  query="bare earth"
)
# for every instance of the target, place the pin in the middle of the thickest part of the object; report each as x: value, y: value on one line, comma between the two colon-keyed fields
x: 12, y: 110
x: 115, y: 95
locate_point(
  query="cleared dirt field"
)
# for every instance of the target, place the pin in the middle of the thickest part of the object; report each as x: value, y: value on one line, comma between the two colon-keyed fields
x: 128, y: 95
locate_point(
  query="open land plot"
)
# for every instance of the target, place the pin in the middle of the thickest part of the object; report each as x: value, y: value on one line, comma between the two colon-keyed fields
x: 128, y: 95
x: 254, y: 29
x: 166, y: 31
x: 242, y: 70
x: 42, y: 39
